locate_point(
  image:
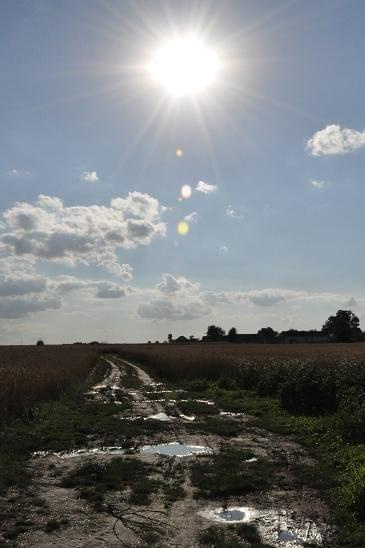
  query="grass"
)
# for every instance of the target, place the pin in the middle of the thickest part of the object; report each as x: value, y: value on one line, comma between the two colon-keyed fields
x: 197, y: 408
x: 227, y: 474
x: 240, y: 536
x: 30, y: 375
x: 314, y: 393
x: 94, y: 480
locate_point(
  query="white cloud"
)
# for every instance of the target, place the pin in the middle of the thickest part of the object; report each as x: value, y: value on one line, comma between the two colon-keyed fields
x: 181, y: 300
x: 192, y: 217
x: 21, y: 285
x: 81, y: 234
x: 19, y: 173
x: 318, y: 184
x: 18, y: 307
x: 233, y: 213
x: 171, y: 285
x: 333, y: 139
x: 163, y: 309
x: 269, y: 297
x: 89, y: 176
x: 350, y: 302
x: 109, y: 290
x: 205, y: 188
x: 224, y: 249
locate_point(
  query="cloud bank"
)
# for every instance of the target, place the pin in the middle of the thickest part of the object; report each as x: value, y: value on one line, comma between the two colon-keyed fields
x: 90, y: 235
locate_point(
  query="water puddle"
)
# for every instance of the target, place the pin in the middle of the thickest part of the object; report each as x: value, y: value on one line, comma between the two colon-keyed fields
x: 176, y: 449
x: 236, y: 514
x: 158, y: 391
x: 189, y: 418
x: 207, y: 402
x: 160, y: 417
x: 231, y: 414
x: 85, y: 452
x: 278, y: 527
x: 110, y: 389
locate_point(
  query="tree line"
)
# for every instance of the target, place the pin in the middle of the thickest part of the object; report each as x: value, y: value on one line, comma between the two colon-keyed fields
x: 344, y: 326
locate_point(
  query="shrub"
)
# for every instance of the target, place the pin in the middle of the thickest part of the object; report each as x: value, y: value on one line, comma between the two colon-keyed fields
x: 309, y: 389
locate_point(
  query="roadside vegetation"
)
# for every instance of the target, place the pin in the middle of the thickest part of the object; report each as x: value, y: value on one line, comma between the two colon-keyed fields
x: 312, y: 393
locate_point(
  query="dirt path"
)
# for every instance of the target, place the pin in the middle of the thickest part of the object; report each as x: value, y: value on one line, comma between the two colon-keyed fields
x: 286, y: 515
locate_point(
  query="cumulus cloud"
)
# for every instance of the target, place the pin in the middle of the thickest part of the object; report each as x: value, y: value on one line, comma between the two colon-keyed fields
x: 181, y: 300
x: 191, y: 217
x: 19, y: 173
x: 171, y: 285
x: 205, y: 188
x: 333, y: 139
x: 318, y: 184
x: 109, y: 290
x: 21, y: 285
x: 50, y: 230
x: 269, y: 297
x: 18, y: 307
x: 89, y: 176
x: 233, y: 213
x: 163, y: 309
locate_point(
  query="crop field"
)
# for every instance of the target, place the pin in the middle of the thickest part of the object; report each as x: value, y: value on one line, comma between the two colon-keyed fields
x: 29, y: 374
x: 294, y: 413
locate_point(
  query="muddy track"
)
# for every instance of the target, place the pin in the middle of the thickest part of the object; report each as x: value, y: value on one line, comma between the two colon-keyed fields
x: 285, y: 516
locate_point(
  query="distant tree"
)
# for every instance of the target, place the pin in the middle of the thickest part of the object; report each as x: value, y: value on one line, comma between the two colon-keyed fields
x: 267, y: 334
x: 40, y: 343
x: 169, y: 337
x: 344, y: 327
x: 215, y: 333
x: 232, y: 334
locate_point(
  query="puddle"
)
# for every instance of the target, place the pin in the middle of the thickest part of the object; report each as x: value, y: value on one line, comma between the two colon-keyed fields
x: 158, y: 391
x: 237, y: 514
x: 277, y: 527
x: 175, y: 449
x: 189, y: 418
x: 160, y: 417
x: 115, y: 450
x: 110, y: 388
x: 207, y: 402
x: 231, y: 414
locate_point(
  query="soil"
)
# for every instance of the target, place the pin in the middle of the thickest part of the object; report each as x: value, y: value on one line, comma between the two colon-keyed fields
x: 178, y: 522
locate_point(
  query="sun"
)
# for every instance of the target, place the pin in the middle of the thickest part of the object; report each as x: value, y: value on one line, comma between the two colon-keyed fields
x: 185, y: 66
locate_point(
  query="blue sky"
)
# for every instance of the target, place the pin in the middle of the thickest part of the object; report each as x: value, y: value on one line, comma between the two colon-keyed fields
x: 279, y: 137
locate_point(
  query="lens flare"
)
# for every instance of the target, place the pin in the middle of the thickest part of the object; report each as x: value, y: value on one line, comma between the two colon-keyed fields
x: 179, y: 152
x: 183, y: 228
x: 186, y: 192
